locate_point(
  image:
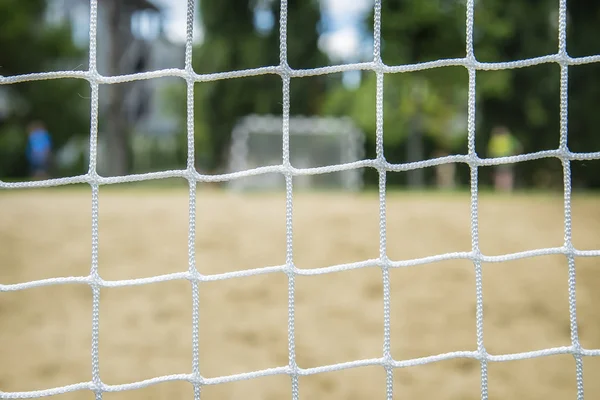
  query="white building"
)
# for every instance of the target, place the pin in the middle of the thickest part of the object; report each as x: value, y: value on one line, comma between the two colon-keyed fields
x: 147, y: 48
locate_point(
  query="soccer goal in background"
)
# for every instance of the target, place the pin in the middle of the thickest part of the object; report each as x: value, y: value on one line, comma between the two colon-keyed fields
x: 315, y: 142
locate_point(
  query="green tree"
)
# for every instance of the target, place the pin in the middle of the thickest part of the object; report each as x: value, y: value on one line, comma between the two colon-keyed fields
x: 420, y: 108
x: 526, y: 100
x: 28, y: 44
x: 233, y: 42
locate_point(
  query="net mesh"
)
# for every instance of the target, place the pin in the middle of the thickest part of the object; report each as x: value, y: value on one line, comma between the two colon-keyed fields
x: 95, y: 281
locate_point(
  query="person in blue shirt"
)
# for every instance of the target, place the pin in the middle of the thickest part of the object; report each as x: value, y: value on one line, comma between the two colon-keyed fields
x: 39, y: 150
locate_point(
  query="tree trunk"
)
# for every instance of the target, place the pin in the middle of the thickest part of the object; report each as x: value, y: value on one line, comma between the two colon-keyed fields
x: 414, y: 152
x: 117, y: 135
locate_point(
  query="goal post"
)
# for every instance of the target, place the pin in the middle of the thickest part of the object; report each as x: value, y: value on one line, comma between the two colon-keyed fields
x: 256, y: 141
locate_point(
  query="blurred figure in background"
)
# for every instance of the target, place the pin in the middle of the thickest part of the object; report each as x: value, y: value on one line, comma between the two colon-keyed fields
x: 39, y: 150
x: 503, y: 144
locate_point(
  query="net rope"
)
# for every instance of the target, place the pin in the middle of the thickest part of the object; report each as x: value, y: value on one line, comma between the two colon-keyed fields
x: 379, y: 163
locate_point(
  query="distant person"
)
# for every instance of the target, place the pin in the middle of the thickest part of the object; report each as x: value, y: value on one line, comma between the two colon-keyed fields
x: 503, y: 144
x: 39, y: 150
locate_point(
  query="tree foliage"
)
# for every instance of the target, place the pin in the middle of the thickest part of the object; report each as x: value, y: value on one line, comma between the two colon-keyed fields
x: 526, y: 100
x: 27, y: 45
x: 231, y: 43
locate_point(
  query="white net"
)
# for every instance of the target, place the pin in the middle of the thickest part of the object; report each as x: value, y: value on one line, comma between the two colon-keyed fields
x: 288, y: 171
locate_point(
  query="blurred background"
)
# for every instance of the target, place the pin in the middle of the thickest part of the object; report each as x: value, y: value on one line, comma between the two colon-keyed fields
x: 142, y: 123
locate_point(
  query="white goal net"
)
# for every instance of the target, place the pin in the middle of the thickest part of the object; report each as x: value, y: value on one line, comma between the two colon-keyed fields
x: 315, y: 142
x: 288, y: 171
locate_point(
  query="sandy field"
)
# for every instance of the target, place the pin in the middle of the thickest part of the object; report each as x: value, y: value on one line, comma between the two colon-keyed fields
x: 145, y: 331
